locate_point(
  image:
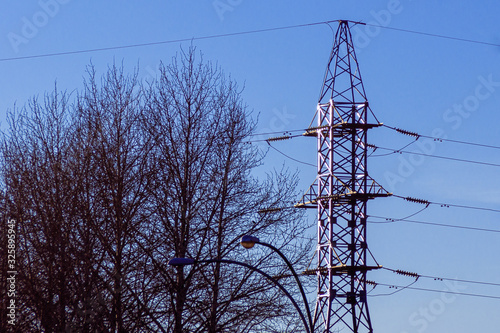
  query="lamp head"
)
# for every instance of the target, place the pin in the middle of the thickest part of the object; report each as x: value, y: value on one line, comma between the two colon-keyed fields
x: 181, y: 262
x: 248, y: 241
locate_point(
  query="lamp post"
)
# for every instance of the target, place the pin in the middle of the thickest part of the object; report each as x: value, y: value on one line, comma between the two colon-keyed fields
x: 181, y: 262
x: 248, y: 242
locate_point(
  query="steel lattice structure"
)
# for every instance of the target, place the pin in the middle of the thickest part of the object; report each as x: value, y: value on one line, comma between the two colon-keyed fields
x: 341, y: 191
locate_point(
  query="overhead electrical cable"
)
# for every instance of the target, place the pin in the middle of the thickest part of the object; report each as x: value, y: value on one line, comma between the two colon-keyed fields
x: 434, y: 290
x: 390, y: 153
x: 400, y: 272
x: 165, y: 42
x: 277, y: 132
x: 272, y: 139
x: 399, y: 130
x: 393, y: 220
x: 54, y: 54
x: 447, y: 205
x: 418, y: 212
x: 400, y: 151
x: 293, y: 159
x: 288, y: 135
x: 434, y: 35
x: 281, y: 138
x: 398, y: 289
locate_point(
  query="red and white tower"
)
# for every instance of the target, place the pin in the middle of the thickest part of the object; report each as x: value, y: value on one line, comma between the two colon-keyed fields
x: 341, y: 191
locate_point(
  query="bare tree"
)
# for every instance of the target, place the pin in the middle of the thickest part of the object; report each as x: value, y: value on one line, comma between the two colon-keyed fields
x: 109, y: 128
x: 108, y: 189
x: 40, y: 197
x: 206, y: 198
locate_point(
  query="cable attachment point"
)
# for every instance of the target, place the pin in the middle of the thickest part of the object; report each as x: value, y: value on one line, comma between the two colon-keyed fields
x: 373, y: 283
x: 405, y: 132
x: 279, y: 138
x: 420, y: 201
x: 405, y: 273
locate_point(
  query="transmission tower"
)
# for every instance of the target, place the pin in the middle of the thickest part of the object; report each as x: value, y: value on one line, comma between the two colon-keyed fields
x: 341, y: 191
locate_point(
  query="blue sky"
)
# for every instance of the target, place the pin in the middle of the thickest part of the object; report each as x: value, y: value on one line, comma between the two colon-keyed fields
x: 429, y: 85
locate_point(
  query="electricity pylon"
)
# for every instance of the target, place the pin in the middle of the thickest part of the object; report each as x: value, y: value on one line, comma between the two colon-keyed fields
x: 341, y: 191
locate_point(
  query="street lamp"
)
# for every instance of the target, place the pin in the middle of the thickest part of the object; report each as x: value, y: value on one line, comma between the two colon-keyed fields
x: 248, y: 242
x: 181, y: 262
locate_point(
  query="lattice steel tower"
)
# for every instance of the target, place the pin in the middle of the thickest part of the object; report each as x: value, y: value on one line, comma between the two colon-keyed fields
x: 341, y: 191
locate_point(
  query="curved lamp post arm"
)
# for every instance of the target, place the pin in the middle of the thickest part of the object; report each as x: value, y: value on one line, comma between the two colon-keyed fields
x: 249, y: 241
x: 188, y: 261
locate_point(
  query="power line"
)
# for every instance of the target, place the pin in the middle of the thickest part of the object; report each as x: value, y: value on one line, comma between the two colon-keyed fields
x: 435, y: 35
x: 434, y: 290
x: 392, y: 220
x: 285, y: 136
x: 399, y: 130
x: 392, y: 152
x: 417, y: 135
x: 293, y: 159
x: 446, y: 205
x: 54, y: 54
x: 278, y: 132
x: 166, y: 42
x: 399, y: 289
x: 443, y: 278
x: 400, y: 151
x: 435, y: 278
